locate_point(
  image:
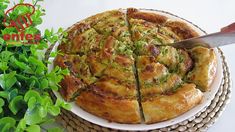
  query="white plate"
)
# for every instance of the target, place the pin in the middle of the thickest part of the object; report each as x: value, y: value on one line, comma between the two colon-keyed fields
x: 208, y: 96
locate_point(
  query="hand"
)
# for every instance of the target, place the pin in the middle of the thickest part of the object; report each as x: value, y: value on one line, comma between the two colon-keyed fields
x: 229, y: 28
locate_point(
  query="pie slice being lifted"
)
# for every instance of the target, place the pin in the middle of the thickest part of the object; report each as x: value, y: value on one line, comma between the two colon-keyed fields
x: 120, y: 70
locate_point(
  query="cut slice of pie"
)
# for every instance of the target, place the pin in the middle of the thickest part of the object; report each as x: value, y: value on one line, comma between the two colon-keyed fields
x: 154, y: 77
x: 80, y: 76
x: 204, y: 70
x: 82, y: 43
x: 163, y: 93
x: 115, y: 92
x: 167, y: 106
x: 119, y: 110
x: 115, y: 25
x: 177, y: 60
x: 144, y: 27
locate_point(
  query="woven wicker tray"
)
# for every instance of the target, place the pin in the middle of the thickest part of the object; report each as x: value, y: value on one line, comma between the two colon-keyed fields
x: 200, y: 122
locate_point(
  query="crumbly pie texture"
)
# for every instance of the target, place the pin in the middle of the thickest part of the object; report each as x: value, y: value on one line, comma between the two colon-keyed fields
x: 120, y: 72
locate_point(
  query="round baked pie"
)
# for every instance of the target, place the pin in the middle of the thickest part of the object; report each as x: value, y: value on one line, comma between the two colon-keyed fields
x: 121, y: 71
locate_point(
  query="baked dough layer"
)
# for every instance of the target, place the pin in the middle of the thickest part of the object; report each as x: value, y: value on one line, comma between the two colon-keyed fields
x: 112, y: 109
x: 164, y: 107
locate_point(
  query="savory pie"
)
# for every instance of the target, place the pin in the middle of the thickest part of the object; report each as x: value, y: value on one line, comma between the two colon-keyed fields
x: 121, y: 71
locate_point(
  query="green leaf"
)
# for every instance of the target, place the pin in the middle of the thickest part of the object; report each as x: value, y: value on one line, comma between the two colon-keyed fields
x: 60, y: 30
x: 33, y: 128
x: 21, y: 126
x: 65, y: 71
x: 36, y: 62
x: 4, y: 94
x: 66, y: 106
x: 32, y: 102
x: 32, y: 93
x: 1, y: 40
x: 22, y: 57
x: 32, y: 116
x: 3, y: 66
x: 53, y: 54
x: 7, y: 80
x: 7, y: 124
x: 16, y: 104
x: 5, y: 55
x: 42, y: 112
x: 54, y: 110
x: 23, y: 66
x: 63, y: 104
x: 12, y: 94
x: 47, y: 33
x: 1, y: 104
x: 44, y: 83
x: 46, y: 101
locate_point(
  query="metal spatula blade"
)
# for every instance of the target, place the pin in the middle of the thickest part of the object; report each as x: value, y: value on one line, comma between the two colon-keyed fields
x: 211, y: 40
x: 225, y: 37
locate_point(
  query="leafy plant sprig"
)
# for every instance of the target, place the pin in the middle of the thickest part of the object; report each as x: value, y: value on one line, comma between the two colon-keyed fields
x: 24, y: 78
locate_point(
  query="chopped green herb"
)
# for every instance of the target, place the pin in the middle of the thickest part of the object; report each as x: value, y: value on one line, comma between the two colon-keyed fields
x: 164, y: 78
x: 148, y: 84
x: 164, y: 51
x: 124, y: 49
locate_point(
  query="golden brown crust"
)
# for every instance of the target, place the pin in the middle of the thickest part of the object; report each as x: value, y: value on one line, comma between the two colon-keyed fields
x: 177, y: 60
x: 151, y: 17
x: 95, y: 64
x: 185, y: 62
x: 77, y: 29
x: 164, y: 107
x: 71, y: 87
x: 156, y: 88
x: 117, y: 110
x: 68, y: 61
x: 116, y: 26
x: 204, y: 69
x: 115, y: 88
x: 181, y: 29
x: 77, y: 66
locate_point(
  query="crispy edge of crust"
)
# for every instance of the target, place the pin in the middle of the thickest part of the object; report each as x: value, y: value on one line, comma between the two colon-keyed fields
x: 148, y: 16
x: 121, y: 90
x: 166, y: 107
x: 181, y: 29
x: 212, y: 69
x: 70, y: 86
x: 84, y: 25
x: 117, y: 110
x: 187, y: 63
